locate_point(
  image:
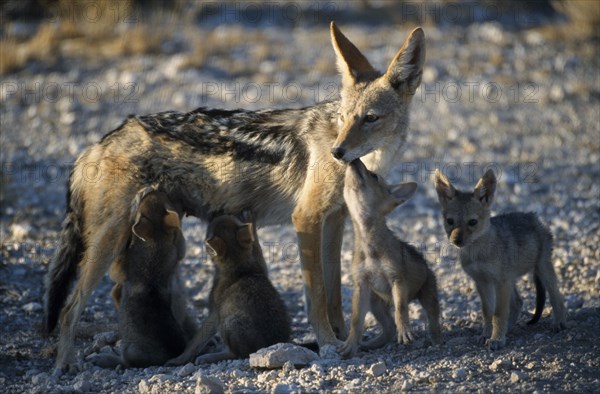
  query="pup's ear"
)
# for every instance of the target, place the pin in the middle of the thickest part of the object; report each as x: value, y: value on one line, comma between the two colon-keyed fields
x: 142, y: 228
x: 216, y: 246
x: 403, y: 192
x: 443, y: 187
x: 350, y: 61
x: 171, y: 219
x: 245, y: 235
x: 485, y: 188
x: 405, y: 70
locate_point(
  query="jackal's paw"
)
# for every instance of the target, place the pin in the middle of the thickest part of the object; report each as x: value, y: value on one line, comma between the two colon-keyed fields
x: 180, y: 360
x: 109, y: 359
x: 348, y: 349
x: 405, y: 336
x: 340, y: 331
x: 559, y: 326
x: 483, y: 339
x: 495, y: 344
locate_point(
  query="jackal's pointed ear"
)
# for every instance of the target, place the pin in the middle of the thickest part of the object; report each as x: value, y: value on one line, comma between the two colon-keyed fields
x: 350, y: 61
x: 403, y: 192
x: 245, y: 234
x: 171, y: 219
x: 405, y: 71
x: 443, y: 187
x: 216, y: 246
x: 142, y: 228
x: 486, y: 187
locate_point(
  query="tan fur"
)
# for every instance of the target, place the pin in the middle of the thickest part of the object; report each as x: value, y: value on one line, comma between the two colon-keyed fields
x: 301, y: 179
x: 392, y: 271
x: 496, y: 251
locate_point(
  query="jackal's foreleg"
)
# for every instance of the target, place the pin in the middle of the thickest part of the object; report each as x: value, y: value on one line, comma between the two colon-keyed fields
x: 309, y: 230
x: 333, y: 231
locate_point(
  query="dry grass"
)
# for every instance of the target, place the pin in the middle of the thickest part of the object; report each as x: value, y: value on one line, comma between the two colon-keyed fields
x: 86, y: 28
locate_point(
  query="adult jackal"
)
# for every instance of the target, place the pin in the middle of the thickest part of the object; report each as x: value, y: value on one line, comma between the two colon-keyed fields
x: 292, y: 163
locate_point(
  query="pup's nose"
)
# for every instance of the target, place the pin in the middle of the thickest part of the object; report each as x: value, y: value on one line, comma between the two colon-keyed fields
x: 338, y: 152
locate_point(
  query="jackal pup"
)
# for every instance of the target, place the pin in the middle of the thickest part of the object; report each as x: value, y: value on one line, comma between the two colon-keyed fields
x: 153, y: 324
x: 495, y: 252
x: 244, y: 307
x: 392, y: 271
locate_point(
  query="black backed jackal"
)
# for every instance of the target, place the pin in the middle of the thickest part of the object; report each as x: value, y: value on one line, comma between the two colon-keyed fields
x: 495, y: 252
x: 280, y: 164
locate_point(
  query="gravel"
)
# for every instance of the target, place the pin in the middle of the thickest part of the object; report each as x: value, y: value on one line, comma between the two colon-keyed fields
x: 521, y: 95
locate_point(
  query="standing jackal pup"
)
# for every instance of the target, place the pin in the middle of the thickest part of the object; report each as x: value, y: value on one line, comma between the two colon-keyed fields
x: 495, y: 252
x: 392, y: 272
x: 153, y: 323
x: 244, y: 307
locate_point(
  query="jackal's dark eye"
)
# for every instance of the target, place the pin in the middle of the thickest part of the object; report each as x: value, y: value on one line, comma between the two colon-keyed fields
x: 472, y: 222
x: 373, y: 175
x: 370, y: 118
x: 450, y: 221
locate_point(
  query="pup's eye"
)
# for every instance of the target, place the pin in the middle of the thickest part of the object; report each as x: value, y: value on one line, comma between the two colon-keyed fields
x: 373, y: 175
x: 341, y: 117
x: 450, y: 221
x: 472, y: 222
x: 370, y: 118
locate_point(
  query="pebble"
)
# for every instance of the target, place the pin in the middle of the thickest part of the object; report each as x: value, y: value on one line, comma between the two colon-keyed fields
x: 517, y: 376
x: 329, y: 352
x: 143, y: 386
x: 500, y: 364
x: 276, y: 356
x: 209, y: 385
x: 187, y: 370
x: 459, y: 373
x: 407, y: 385
x: 378, y: 369
x: 32, y: 307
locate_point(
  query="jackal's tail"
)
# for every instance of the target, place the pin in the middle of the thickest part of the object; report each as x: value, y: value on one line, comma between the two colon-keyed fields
x: 63, y: 268
x: 540, y: 299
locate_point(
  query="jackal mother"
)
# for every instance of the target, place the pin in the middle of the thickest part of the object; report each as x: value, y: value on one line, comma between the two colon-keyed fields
x: 212, y: 161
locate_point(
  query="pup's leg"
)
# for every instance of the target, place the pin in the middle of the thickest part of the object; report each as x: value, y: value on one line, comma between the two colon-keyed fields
x: 210, y: 358
x: 516, y: 305
x: 545, y: 272
x: 333, y: 232
x: 500, y: 319
x: 428, y: 297
x: 401, y: 299
x: 179, y: 308
x: 381, y: 311
x: 487, y: 296
x: 207, y: 330
x: 360, y: 307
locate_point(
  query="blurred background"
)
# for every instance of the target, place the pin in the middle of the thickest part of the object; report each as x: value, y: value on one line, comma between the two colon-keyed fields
x: 509, y: 85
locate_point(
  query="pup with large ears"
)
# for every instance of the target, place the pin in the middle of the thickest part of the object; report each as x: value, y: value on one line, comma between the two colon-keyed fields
x: 244, y: 307
x: 496, y: 251
x: 153, y: 322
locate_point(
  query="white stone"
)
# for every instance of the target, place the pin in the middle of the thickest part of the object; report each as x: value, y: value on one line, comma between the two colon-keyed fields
x: 378, y: 369
x: 208, y: 385
x: 187, y: 370
x: 517, y: 376
x: 275, y: 356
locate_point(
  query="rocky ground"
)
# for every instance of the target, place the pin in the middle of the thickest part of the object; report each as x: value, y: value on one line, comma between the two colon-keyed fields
x: 513, y: 89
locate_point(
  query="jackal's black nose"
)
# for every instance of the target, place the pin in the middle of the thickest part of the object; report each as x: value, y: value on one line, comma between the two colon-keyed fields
x: 338, y: 152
